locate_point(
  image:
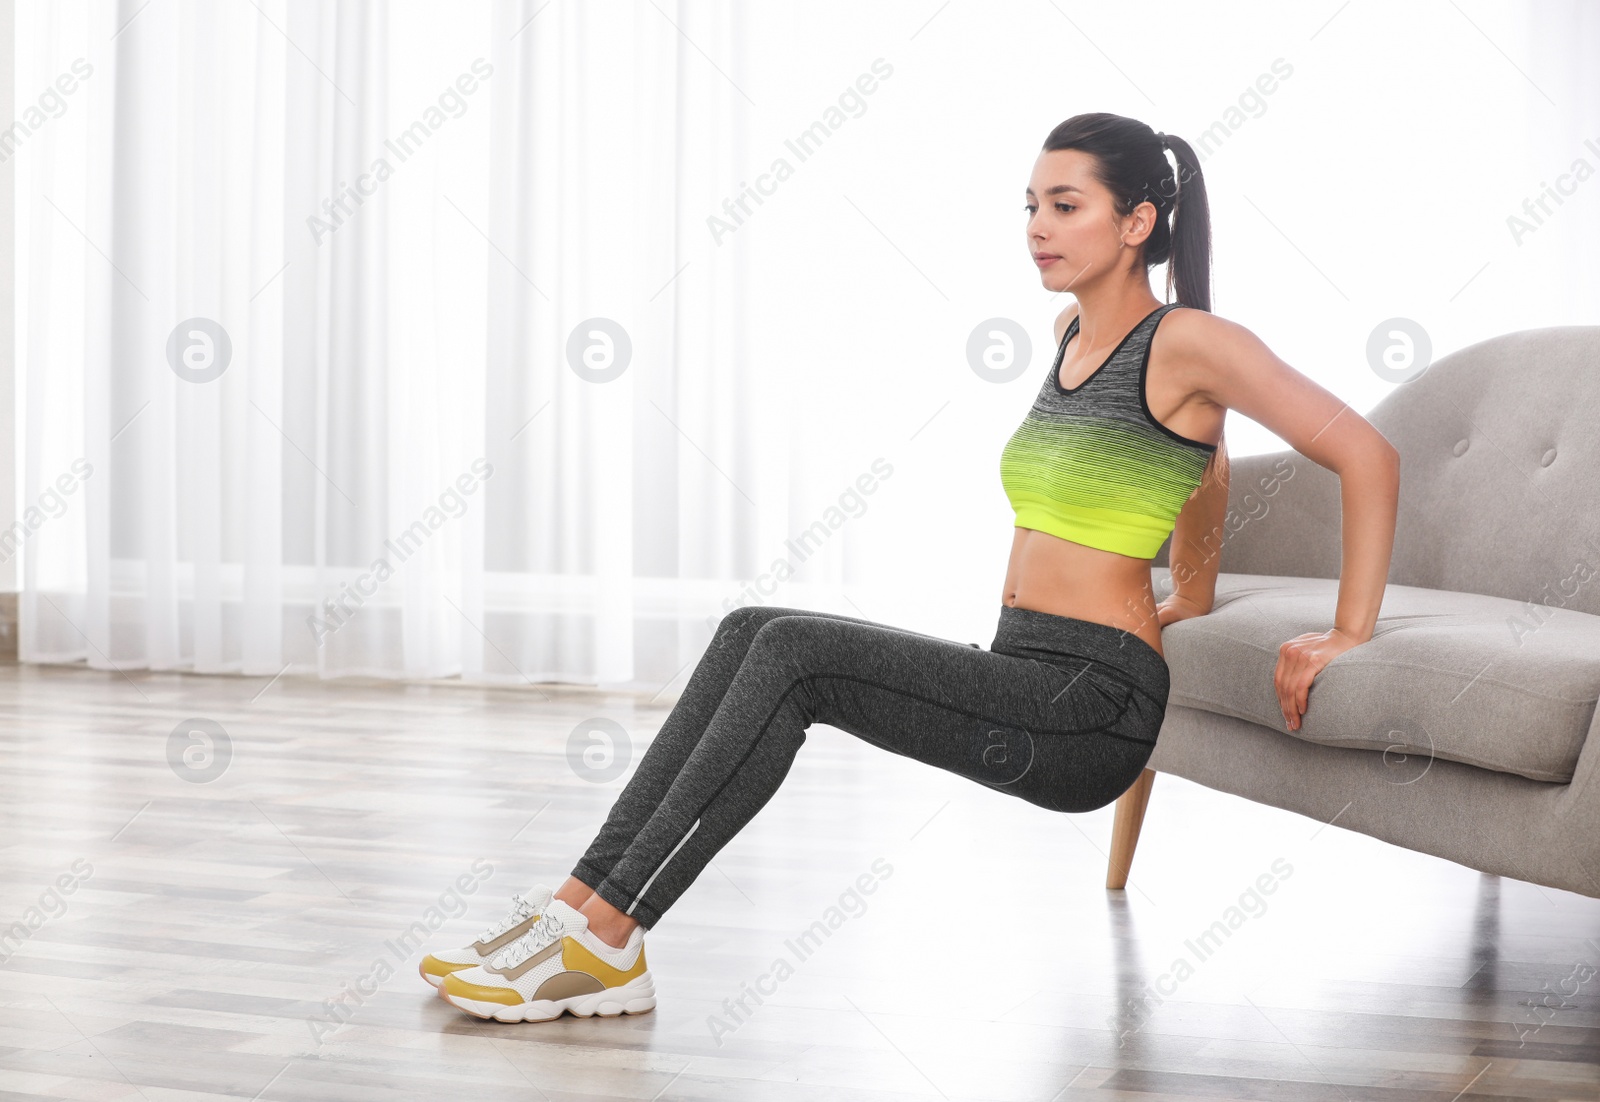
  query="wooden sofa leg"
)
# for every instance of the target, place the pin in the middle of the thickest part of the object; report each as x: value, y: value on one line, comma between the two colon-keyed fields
x: 1125, y: 828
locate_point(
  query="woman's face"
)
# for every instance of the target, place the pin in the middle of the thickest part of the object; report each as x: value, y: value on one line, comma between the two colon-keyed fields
x: 1074, y: 235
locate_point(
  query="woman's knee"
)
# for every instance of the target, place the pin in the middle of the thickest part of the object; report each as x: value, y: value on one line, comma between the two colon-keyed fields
x: 784, y: 653
x: 748, y: 619
x: 788, y: 632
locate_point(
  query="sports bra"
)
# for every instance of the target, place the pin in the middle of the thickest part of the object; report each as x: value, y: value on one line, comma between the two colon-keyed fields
x: 1092, y: 464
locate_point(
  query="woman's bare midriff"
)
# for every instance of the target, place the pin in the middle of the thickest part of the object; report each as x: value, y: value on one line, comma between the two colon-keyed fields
x: 1050, y: 574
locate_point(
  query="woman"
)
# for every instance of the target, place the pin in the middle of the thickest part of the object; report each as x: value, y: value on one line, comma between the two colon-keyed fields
x: 1122, y: 446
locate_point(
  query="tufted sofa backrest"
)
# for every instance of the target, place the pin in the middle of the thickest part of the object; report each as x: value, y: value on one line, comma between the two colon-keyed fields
x: 1499, y: 481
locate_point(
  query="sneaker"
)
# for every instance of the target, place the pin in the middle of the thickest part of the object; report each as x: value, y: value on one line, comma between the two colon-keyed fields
x: 525, y: 911
x: 555, y: 967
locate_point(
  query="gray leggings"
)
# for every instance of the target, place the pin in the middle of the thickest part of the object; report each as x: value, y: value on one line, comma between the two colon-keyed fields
x: 1058, y: 711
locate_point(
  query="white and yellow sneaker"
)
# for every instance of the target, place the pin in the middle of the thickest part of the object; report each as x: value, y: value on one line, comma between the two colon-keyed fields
x: 557, y: 966
x: 526, y: 909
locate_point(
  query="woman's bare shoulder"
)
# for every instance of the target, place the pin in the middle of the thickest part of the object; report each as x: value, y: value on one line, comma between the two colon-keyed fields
x: 1198, y: 344
x: 1196, y: 323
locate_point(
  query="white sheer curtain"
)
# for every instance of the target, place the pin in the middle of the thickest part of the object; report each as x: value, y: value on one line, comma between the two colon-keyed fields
x: 484, y: 385
x: 805, y: 219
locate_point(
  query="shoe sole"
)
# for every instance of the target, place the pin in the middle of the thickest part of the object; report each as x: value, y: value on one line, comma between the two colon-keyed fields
x: 634, y: 997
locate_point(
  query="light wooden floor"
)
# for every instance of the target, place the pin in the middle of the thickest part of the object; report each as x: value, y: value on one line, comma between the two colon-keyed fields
x: 210, y: 922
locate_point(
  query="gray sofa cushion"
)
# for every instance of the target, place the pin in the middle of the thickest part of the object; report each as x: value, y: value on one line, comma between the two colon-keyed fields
x: 1486, y: 681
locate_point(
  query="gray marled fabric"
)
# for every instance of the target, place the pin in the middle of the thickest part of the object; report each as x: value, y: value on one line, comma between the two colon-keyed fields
x: 1115, y: 389
x: 1060, y: 712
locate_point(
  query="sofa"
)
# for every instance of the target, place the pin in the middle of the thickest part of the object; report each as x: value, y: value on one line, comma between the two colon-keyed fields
x: 1466, y: 727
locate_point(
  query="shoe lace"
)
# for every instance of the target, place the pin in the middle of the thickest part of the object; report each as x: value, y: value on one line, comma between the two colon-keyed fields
x: 545, y: 931
x: 521, y: 909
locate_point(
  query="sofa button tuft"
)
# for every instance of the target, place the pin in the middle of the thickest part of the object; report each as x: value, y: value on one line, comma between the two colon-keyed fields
x: 1548, y: 458
x: 1461, y: 446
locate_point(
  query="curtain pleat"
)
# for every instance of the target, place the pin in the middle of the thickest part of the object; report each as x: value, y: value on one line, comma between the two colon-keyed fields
x: 430, y: 235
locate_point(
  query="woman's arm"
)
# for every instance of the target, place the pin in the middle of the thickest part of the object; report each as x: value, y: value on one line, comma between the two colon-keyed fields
x: 1369, y: 500
x: 1195, y: 554
x: 1229, y: 365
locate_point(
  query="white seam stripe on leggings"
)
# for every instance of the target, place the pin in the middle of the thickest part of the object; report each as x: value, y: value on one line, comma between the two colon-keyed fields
x: 661, y: 866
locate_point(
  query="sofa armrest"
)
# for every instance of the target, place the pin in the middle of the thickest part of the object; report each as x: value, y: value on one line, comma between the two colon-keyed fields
x: 1283, y: 518
x: 1577, y: 834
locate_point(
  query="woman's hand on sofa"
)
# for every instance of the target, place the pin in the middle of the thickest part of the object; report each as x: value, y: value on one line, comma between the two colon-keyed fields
x: 1175, y: 607
x: 1299, y: 662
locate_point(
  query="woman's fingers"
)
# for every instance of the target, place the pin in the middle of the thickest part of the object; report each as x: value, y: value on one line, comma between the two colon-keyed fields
x: 1291, y: 682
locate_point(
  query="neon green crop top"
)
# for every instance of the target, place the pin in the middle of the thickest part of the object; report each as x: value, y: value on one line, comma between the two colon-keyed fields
x: 1093, y: 465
